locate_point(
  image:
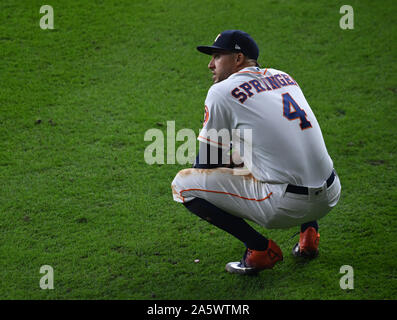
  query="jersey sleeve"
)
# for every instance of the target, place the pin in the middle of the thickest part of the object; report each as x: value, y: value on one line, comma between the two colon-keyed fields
x: 216, y: 129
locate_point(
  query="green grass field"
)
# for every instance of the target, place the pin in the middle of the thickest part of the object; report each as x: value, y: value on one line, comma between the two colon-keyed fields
x: 77, y: 194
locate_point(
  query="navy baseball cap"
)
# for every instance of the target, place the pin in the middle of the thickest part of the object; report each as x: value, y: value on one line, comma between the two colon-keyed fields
x: 233, y: 41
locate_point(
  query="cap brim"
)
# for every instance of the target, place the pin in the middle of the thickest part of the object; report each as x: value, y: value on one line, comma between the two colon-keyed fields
x: 211, y: 49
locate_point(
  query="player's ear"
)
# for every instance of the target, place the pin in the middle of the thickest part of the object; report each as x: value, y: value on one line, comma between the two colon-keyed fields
x: 240, y: 58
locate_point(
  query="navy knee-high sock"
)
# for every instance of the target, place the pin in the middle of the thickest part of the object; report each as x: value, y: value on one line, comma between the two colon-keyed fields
x: 306, y: 225
x: 235, y: 226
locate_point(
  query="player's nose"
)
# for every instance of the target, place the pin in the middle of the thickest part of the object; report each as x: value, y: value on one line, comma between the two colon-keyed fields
x: 211, y: 65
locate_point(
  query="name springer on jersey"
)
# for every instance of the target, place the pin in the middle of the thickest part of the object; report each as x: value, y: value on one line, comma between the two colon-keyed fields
x: 249, y: 88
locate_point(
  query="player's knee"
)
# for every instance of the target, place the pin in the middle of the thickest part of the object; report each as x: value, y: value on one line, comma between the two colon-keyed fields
x: 184, y: 174
x: 182, y: 182
x: 181, y: 179
x: 179, y: 176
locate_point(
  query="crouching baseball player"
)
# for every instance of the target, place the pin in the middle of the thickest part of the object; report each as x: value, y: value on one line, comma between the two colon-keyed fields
x: 288, y: 177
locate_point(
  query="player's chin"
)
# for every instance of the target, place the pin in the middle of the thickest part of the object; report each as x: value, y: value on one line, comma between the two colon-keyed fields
x: 216, y: 79
x: 220, y: 77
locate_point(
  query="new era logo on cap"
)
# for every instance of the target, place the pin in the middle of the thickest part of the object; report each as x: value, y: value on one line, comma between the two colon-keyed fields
x: 233, y: 41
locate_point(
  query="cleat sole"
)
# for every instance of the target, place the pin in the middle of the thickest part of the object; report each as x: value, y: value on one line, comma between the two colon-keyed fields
x: 297, y: 253
x: 237, y: 268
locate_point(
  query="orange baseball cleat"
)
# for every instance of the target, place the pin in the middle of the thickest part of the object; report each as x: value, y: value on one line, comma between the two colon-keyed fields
x: 308, y: 244
x: 255, y: 260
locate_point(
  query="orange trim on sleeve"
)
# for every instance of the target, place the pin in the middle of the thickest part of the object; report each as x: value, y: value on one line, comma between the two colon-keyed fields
x: 227, y: 193
x: 221, y: 144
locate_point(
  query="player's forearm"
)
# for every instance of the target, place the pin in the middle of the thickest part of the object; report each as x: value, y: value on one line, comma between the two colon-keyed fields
x: 210, y: 157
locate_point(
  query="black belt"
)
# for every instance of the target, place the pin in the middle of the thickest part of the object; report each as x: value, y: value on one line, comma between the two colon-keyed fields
x: 304, y: 190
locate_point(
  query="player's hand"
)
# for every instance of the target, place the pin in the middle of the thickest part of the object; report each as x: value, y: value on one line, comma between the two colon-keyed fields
x: 235, y: 160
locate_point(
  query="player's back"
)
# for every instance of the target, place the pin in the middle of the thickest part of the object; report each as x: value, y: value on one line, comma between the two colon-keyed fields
x: 287, y: 143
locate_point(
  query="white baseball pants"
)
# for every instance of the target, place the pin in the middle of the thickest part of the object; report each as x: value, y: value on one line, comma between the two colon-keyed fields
x: 237, y: 192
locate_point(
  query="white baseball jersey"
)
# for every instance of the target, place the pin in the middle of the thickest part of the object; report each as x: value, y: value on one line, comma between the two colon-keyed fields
x: 283, y: 143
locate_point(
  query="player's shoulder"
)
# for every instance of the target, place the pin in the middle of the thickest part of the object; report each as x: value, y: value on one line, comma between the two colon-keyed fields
x: 253, y: 72
x: 272, y: 71
x: 218, y: 91
x: 248, y: 72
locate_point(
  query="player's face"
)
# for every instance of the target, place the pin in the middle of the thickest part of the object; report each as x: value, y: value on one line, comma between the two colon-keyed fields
x: 222, y: 65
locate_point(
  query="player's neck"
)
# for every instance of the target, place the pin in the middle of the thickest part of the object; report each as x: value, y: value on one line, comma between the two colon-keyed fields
x: 246, y: 65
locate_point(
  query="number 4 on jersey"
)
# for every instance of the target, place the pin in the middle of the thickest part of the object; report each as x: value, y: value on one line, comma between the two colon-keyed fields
x: 298, y: 113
